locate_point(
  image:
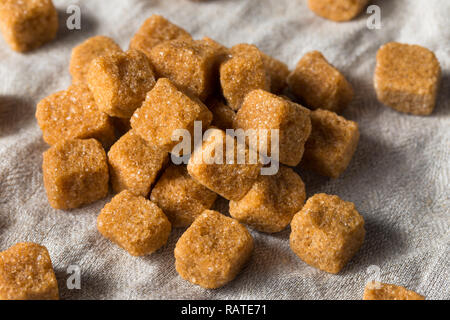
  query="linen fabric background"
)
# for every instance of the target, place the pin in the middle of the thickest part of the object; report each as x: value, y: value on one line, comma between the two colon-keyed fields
x: 398, y: 178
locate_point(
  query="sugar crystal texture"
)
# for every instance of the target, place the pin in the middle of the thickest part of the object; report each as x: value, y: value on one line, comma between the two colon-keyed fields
x: 28, y: 24
x: 337, y: 10
x: 26, y: 273
x: 75, y: 173
x: 213, y: 250
x: 134, y: 223
x: 271, y: 202
x: 327, y: 232
x: 383, y: 291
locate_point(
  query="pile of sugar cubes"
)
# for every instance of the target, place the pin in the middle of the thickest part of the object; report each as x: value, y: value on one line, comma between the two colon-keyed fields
x: 114, y: 126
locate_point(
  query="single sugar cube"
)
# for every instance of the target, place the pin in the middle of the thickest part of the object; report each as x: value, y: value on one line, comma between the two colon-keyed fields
x: 262, y: 110
x: 213, y: 250
x: 134, y: 164
x: 165, y: 110
x: 86, y: 52
x: 120, y: 81
x: 224, y: 174
x: 407, y: 78
x: 72, y: 114
x: 243, y: 73
x: 180, y: 197
x: 383, y: 291
x: 319, y: 84
x: 75, y: 173
x: 26, y: 273
x: 134, y: 223
x: 278, y: 72
x: 156, y: 30
x: 28, y: 24
x: 223, y: 115
x: 327, y: 232
x: 331, y: 145
x: 337, y: 10
x: 271, y: 202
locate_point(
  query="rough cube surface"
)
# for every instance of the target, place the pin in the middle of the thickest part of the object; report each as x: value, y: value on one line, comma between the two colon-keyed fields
x: 337, y: 10
x: 271, y: 202
x: 188, y: 64
x: 120, y: 81
x: 180, y: 197
x: 327, y: 232
x: 278, y: 72
x: 165, y: 110
x: 230, y: 179
x: 156, y: 30
x: 73, y: 114
x: 223, y: 115
x: 134, y: 223
x: 213, y: 250
x: 407, y: 78
x: 134, y: 164
x: 384, y: 291
x: 319, y: 84
x: 243, y: 73
x: 26, y: 273
x: 28, y: 24
x: 332, y: 143
x: 75, y: 173
x: 86, y: 52
x: 262, y: 110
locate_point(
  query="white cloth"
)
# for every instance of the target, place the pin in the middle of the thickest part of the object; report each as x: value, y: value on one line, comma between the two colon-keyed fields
x: 398, y: 178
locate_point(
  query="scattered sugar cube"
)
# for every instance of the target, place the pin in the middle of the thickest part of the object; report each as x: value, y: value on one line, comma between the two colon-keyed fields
x: 264, y: 110
x: 327, y: 232
x: 86, y: 52
x: 331, y: 145
x: 134, y: 164
x: 165, y: 110
x: 271, y: 202
x: 319, y: 84
x: 383, y: 291
x: 223, y: 115
x: 213, y: 250
x: 134, y: 223
x: 75, y: 173
x: 120, y: 81
x: 180, y: 197
x: 337, y: 10
x: 156, y: 30
x: 407, y: 78
x: 26, y: 273
x: 72, y: 114
x: 243, y: 73
x: 28, y: 24
x: 230, y: 179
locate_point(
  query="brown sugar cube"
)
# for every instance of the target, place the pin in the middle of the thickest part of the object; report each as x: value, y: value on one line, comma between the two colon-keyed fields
x: 319, y: 84
x: 28, y: 24
x: 73, y: 114
x: 223, y: 115
x: 86, y: 52
x: 134, y: 224
x: 134, y: 164
x: 180, y: 197
x: 120, y: 81
x: 278, y: 72
x: 213, y: 250
x: 263, y: 110
x: 332, y: 143
x: 243, y: 73
x: 327, y: 232
x: 75, y: 173
x: 221, y: 54
x: 272, y: 201
x: 165, y: 110
x: 407, y: 78
x: 383, y: 291
x: 188, y: 64
x: 227, y: 177
x: 337, y: 10
x: 26, y: 273
x: 156, y: 30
